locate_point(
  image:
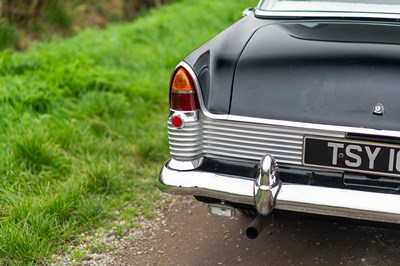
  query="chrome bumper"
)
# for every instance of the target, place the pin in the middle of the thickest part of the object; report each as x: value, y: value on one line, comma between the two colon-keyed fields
x: 265, y: 192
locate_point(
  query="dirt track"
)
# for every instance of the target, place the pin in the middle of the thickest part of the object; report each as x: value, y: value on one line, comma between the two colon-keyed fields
x: 189, y: 237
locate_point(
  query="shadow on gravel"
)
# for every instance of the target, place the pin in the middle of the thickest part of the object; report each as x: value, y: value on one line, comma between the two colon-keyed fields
x: 189, y: 237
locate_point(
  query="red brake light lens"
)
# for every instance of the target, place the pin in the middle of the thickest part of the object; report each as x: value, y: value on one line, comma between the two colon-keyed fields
x: 177, y: 121
x: 183, y: 96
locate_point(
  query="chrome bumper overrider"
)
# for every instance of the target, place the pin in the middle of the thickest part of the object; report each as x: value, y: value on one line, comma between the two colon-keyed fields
x: 266, y: 192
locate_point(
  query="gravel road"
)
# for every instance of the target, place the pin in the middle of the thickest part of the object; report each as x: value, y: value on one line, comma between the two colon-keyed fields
x: 188, y: 237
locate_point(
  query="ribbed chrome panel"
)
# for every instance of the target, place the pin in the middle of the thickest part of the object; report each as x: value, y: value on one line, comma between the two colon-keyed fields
x: 186, y: 143
x: 239, y: 140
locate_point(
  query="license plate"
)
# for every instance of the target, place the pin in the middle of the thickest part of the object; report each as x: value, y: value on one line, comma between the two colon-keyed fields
x: 355, y: 156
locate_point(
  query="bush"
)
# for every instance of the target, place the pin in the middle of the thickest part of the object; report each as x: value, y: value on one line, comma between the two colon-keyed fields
x: 9, y: 35
x: 43, y: 18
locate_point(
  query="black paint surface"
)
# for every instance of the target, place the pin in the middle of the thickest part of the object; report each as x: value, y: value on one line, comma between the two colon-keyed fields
x: 318, y: 71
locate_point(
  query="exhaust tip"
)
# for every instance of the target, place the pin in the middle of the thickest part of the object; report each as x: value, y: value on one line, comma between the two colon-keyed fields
x: 256, y: 227
x: 252, y: 232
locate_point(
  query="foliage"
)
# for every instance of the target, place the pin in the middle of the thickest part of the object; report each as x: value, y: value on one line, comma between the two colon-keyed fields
x: 41, y: 19
x: 82, y: 125
x: 9, y: 35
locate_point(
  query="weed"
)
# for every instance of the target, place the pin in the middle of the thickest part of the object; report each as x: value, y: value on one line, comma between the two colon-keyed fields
x: 78, y: 254
x: 97, y: 247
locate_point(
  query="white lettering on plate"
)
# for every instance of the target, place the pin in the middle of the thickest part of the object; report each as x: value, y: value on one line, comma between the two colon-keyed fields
x: 372, y: 156
x: 391, y: 160
x: 354, y: 156
x: 353, y: 159
x: 398, y: 161
x: 336, y: 147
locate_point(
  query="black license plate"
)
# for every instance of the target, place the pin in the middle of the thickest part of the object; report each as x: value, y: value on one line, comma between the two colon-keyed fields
x: 349, y: 155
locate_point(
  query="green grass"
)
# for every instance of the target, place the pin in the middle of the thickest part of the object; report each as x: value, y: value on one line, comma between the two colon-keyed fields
x: 83, y: 125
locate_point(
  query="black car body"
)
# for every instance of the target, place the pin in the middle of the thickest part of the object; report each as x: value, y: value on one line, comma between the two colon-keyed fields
x: 296, y: 111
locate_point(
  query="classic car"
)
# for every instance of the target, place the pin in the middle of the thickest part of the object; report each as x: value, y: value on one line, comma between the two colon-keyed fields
x: 295, y: 107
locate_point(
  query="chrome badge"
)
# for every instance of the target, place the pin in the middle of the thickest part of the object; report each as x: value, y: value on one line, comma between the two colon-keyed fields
x: 378, y: 109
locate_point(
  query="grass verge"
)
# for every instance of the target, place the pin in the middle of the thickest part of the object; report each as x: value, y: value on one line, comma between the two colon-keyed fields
x: 83, y: 129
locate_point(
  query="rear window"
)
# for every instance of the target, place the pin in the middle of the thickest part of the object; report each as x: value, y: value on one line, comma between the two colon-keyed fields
x: 342, y: 6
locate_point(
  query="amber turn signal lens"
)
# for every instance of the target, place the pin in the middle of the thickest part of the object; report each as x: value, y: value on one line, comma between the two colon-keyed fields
x: 183, y: 96
x: 182, y: 82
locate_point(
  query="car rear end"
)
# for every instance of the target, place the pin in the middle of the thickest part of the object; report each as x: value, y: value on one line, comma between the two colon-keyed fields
x: 308, y: 121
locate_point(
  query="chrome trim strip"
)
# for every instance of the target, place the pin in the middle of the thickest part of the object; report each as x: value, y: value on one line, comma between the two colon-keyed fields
x: 340, y: 202
x: 248, y: 11
x: 299, y: 198
x: 187, y: 116
x: 206, y: 184
x: 343, y: 129
x: 198, y: 89
x: 185, y: 165
x: 259, y: 3
x: 225, y: 139
x: 300, y: 125
x: 322, y: 14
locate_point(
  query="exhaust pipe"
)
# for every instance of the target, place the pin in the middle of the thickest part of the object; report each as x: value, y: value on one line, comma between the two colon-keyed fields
x: 258, y: 224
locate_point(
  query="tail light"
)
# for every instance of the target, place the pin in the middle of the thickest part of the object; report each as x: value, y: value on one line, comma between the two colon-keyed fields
x: 183, y: 96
